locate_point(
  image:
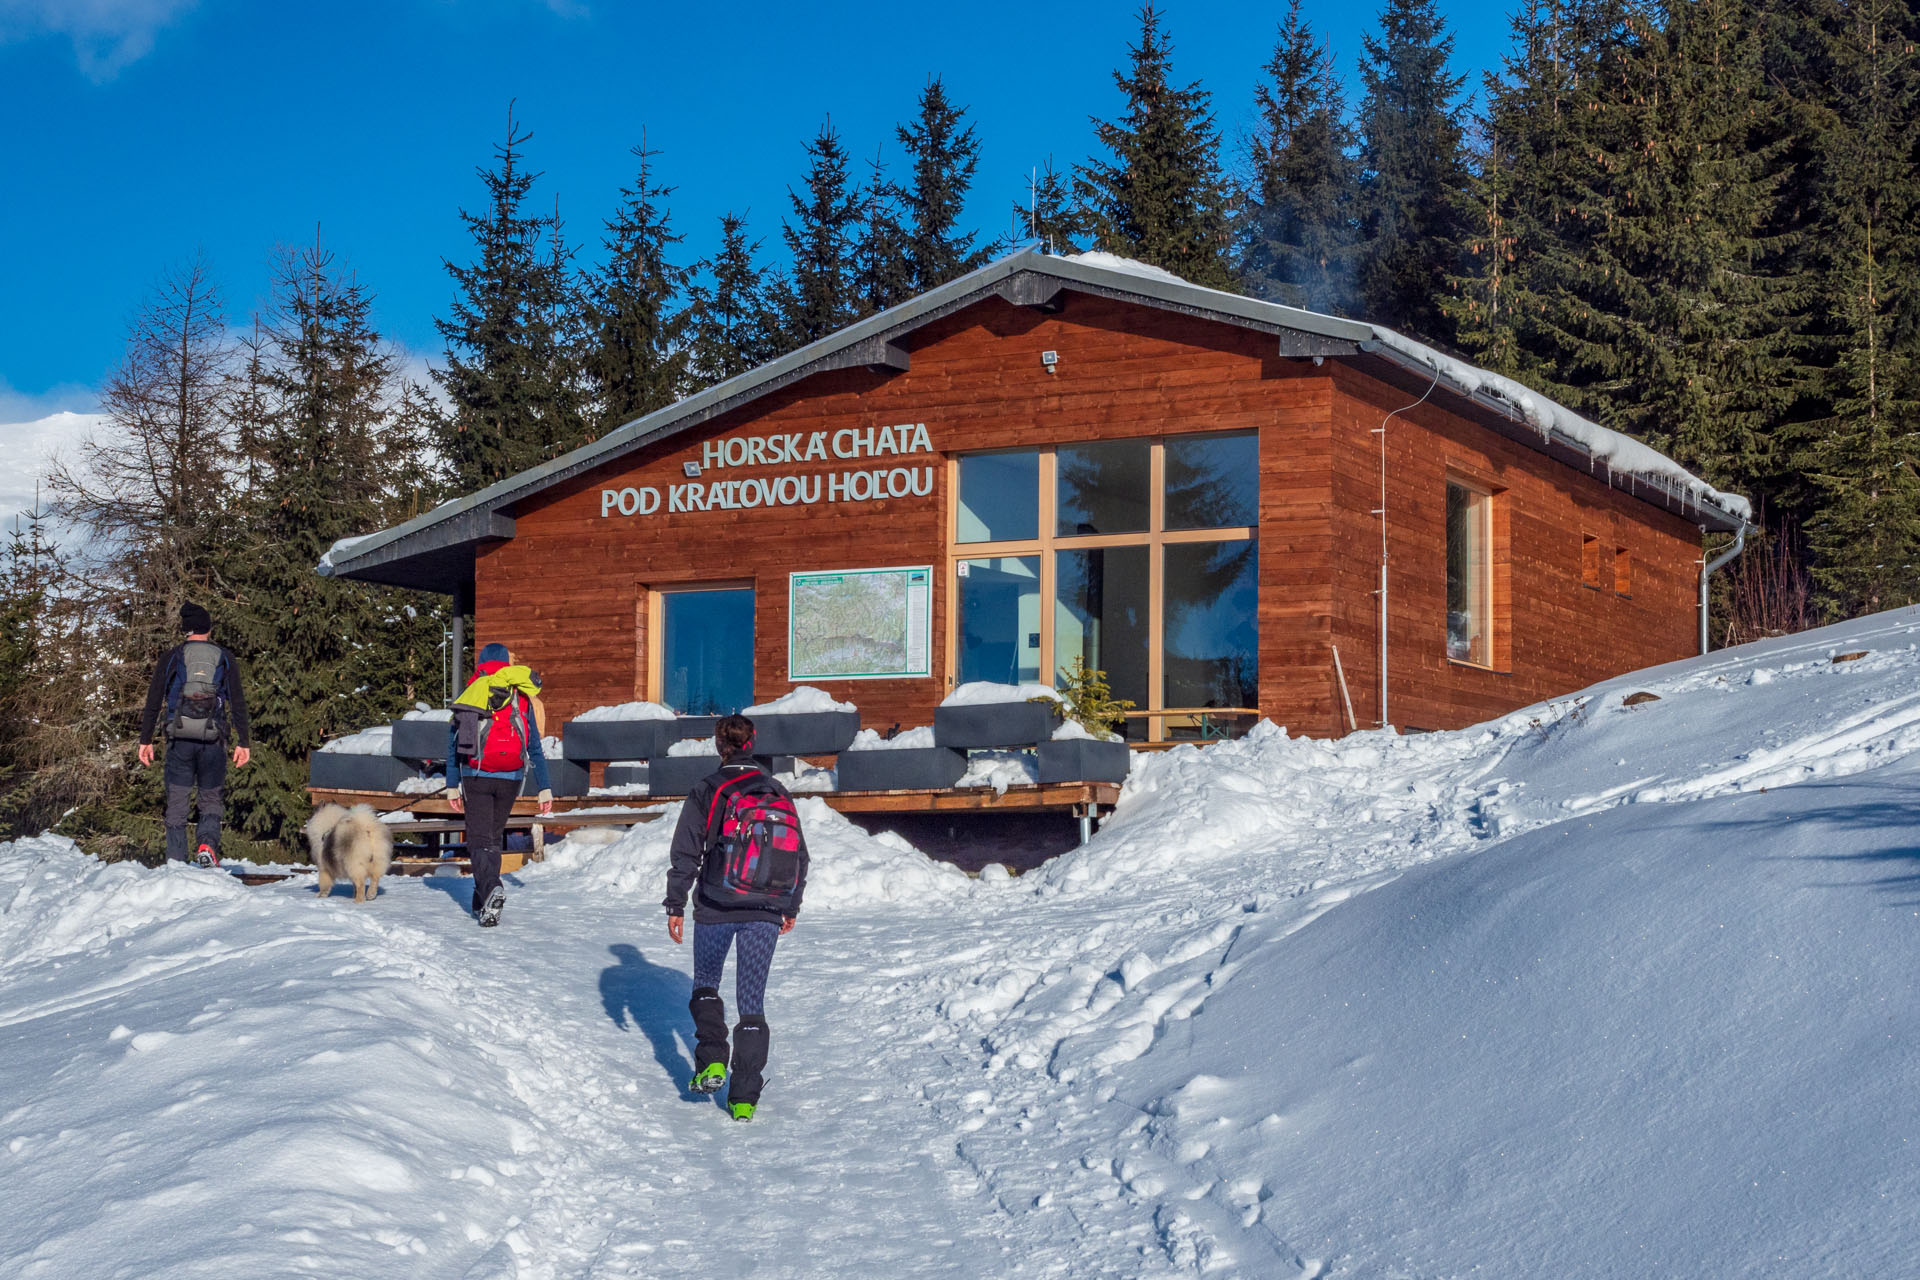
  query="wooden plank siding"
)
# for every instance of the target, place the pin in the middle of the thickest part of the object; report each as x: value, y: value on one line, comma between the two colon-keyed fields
x: 1552, y: 634
x: 569, y: 592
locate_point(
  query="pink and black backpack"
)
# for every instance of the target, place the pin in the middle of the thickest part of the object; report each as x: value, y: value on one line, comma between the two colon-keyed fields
x: 755, y: 855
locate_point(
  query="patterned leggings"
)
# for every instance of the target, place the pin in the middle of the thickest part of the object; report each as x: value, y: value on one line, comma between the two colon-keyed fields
x: 751, y: 962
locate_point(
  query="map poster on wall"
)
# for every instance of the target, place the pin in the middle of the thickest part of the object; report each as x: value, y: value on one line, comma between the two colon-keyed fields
x: 860, y: 624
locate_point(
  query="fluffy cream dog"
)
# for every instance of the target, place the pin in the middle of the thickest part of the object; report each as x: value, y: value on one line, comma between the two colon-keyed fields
x: 351, y: 845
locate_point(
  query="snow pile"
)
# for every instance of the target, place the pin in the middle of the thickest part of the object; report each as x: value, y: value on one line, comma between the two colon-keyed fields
x: 906, y: 740
x: 983, y: 693
x: 693, y: 747
x: 1133, y: 267
x: 848, y: 867
x: 57, y: 901
x: 423, y: 712
x: 376, y: 741
x: 1000, y: 770
x: 626, y: 711
x: 1074, y: 731
x: 804, y: 700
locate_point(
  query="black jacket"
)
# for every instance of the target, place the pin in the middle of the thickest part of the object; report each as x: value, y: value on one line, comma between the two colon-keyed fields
x: 693, y: 840
x: 162, y: 693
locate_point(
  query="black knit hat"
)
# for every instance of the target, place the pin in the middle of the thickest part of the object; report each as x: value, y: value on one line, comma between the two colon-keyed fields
x: 194, y: 619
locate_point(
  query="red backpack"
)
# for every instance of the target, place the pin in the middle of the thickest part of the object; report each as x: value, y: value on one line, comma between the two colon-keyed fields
x: 755, y: 854
x: 495, y: 740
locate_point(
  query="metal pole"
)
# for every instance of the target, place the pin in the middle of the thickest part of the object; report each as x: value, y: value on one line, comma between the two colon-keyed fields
x: 462, y: 601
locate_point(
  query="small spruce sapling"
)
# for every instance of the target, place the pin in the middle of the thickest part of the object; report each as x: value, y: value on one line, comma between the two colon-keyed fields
x: 1089, y: 701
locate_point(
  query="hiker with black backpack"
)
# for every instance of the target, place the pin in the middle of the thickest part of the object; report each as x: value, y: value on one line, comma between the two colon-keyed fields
x: 739, y: 851
x: 197, y: 683
x: 493, y: 740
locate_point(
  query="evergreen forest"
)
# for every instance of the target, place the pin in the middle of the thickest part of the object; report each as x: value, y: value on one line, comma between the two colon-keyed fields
x: 1693, y: 221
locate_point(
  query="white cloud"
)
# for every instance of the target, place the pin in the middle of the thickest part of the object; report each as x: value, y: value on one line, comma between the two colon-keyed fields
x: 107, y: 35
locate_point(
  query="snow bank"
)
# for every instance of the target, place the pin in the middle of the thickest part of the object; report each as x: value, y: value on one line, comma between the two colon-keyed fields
x: 905, y: 740
x: 376, y: 741
x: 693, y: 747
x: 805, y: 700
x: 981, y: 693
x: 848, y: 867
x: 57, y: 901
x: 627, y: 711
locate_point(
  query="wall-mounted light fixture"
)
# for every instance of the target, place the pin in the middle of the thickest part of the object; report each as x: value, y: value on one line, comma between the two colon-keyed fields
x: 1050, y: 359
x: 689, y: 469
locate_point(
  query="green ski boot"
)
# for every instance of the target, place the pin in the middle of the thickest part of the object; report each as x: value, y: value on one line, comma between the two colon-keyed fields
x: 710, y: 1078
x: 740, y: 1110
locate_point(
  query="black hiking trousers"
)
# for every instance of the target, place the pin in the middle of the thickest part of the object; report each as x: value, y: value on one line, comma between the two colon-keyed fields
x: 489, y: 805
x: 190, y: 767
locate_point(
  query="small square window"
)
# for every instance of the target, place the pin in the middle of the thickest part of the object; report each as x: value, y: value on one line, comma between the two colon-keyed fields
x: 1622, y: 572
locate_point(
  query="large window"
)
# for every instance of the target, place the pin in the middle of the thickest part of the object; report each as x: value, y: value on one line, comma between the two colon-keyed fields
x: 1469, y: 575
x: 1136, y: 556
x: 704, y: 649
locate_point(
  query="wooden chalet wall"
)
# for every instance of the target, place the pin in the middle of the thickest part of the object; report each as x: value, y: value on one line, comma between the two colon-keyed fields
x: 1551, y: 632
x: 569, y: 592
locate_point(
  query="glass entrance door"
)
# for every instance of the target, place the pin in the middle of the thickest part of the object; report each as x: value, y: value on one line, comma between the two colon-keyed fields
x: 706, y: 650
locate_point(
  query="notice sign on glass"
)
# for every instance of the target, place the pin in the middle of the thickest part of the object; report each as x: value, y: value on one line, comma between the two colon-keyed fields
x: 860, y: 624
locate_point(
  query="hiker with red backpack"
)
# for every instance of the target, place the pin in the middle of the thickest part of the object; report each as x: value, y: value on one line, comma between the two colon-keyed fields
x: 493, y: 740
x: 739, y: 851
x: 198, y: 685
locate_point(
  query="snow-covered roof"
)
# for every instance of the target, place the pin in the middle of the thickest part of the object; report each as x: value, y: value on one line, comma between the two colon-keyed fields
x: 435, y: 551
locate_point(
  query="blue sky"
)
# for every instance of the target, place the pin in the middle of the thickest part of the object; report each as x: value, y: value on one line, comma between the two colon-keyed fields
x: 142, y: 130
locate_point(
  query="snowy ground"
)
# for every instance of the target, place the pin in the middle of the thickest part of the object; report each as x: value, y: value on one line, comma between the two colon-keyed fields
x: 1592, y: 990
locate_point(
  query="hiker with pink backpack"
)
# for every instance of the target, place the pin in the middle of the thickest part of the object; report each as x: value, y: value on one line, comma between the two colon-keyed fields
x: 739, y: 851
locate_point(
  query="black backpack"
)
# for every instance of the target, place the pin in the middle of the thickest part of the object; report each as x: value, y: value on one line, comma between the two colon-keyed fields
x: 756, y: 856
x: 199, y: 713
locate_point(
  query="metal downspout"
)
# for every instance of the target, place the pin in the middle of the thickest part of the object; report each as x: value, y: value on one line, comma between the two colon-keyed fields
x: 1706, y: 571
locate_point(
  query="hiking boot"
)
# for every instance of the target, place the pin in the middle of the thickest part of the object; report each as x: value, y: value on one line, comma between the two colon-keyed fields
x: 206, y: 857
x: 740, y: 1110
x: 489, y: 914
x: 711, y: 1077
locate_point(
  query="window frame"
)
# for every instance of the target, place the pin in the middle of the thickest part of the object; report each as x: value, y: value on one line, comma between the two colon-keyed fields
x: 1488, y: 587
x: 655, y: 638
x: 1155, y: 538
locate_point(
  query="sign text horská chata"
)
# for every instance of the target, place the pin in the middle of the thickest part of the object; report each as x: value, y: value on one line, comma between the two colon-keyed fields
x: 862, y: 484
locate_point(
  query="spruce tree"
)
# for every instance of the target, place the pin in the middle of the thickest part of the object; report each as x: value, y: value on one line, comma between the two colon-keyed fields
x: 636, y: 351
x: 944, y: 153
x: 731, y: 326
x: 1696, y: 293
x: 880, y: 273
x: 1413, y: 197
x: 1297, y: 219
x: 321, y: 656
x: 506, y: 365
x: 1860, y: 447
x: 819, y: 296
x: 1161, y: 197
